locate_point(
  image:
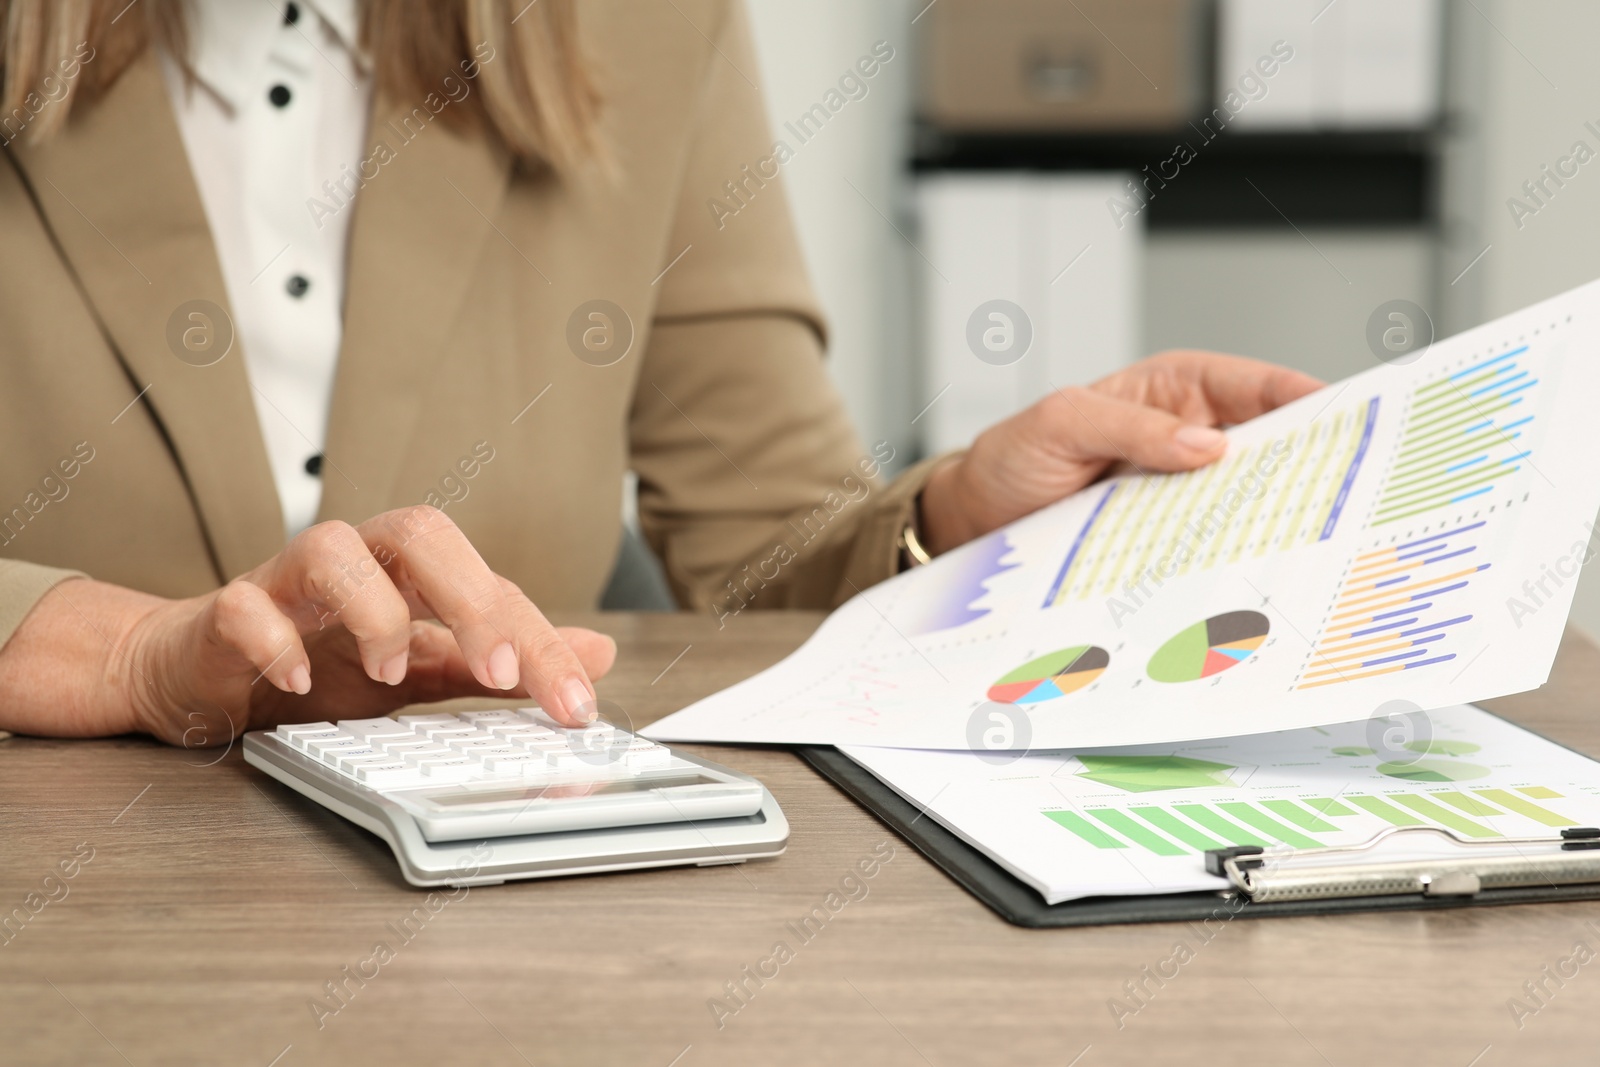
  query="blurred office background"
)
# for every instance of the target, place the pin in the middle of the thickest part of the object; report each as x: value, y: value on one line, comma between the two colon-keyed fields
x: 1375, y: 163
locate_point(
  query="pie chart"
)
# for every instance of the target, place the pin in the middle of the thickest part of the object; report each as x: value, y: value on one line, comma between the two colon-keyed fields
x: 1433, y: 770
x: 1052, y: 675
x: 1209, y: 647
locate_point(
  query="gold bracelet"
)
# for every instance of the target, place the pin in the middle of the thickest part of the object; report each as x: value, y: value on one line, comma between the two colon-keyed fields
x: 913, y: 547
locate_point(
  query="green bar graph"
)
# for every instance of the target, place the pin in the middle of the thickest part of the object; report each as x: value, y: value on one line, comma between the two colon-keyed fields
x: 1231, y: 831
x: 1452, y: 446
x: 1191, y: 828
x: 1123, y: 823
x: 1302, y: 818
x: 1387, y: 812
x: 1254, y: 816
x: 1173, y: 826
x: 1435, y: 493
x: 1143, y: 520
x: 1469, y: 805
x: 1329, y: 807
x: 1533, y: 811
x: 1084, y: 829
x: 1446, y: 817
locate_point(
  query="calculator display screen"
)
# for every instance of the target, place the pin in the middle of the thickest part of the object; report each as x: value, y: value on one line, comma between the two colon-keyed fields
x: 564, y: 790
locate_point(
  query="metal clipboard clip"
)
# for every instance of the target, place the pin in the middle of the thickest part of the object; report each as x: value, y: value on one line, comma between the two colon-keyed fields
x: 1263, y: 878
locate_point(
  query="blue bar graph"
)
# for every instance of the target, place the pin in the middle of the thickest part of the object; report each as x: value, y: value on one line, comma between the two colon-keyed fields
x: 1462, y: 437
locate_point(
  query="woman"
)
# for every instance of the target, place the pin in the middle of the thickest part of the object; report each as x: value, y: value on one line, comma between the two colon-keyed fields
x: 322, y: 321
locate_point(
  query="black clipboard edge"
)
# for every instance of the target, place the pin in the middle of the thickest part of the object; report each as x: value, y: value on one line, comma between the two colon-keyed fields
x: 1017, y: 903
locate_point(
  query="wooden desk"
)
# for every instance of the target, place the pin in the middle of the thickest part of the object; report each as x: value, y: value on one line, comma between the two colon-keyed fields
x: 217, y: 904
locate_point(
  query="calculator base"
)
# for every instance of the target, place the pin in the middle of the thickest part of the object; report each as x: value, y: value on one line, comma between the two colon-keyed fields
x: 490, y: 861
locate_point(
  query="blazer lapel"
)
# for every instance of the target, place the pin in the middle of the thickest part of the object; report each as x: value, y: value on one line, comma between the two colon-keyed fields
x: 115, y: 189
x: 420, y: 224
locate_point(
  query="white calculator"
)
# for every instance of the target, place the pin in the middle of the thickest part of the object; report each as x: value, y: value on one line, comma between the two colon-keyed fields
x: 479, y: 797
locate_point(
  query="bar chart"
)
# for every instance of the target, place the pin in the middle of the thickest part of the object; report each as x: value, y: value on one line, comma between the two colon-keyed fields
x: 1463, y: 436
x: 1136, y: 819
x: 1178, y: 829
x: 1271, y: 497
x: 1410, y: 535
x: 1396, y: 608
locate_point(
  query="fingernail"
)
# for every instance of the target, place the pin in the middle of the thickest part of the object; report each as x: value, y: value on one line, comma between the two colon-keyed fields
x: 394, y: 670
x: 1200, y: 438
x: 503, y: 670
x: 579, y: 701
x: 300, y: 680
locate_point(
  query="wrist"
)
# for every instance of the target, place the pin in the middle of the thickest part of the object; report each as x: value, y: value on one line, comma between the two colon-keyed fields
x: 65, y: 670
x: 944, y: 509
x: 137, y: 675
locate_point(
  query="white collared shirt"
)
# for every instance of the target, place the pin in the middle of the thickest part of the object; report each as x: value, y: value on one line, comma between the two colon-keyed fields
x: 279, y: 110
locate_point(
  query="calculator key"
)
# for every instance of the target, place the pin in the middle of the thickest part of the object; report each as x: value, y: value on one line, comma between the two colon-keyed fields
x: 629, y: 743
x: 607, y: 749
x: 303, y: 741
x: 536, y: 742
x: 338, y: 757
x: 516, y: 727
x: 317, y: 746
x: 373, y: 727
x: 402, y: 743
x: 603, y: 742
x: 513, y: 763
x: 386, y: 774
x: 448, y: 770
x: 598, y: 742
x: 644, y: 759
x: 488, y: 716
x: 595, y: 757
x: 349, y: 768
x: 564, y: 760
x: 481, y: 746
x: 417, y: 757
x: 419, y: 720
x: 287, y: 732
x: 599, y: 729
x: 429, y: 751
x: 441, y: 730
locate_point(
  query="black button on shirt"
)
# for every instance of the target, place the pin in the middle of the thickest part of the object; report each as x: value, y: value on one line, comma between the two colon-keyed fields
x: 297, y: 285
x: 314, y: 465
x: 291, y: 15
x: 279, y: 95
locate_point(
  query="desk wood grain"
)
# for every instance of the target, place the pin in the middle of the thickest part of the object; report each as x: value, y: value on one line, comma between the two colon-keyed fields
x: 218, y: 905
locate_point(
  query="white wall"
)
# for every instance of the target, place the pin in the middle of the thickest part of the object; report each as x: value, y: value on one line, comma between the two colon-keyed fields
x: 1299, y: 299
x: 1524, y: 80
x: 848, y: 191
x: 1538, y: 84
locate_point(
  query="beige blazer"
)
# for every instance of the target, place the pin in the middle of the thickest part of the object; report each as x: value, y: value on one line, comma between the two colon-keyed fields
x: 121, y: 460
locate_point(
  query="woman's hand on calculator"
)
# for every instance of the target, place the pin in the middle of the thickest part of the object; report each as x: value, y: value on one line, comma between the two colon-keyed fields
x: 340, y: 625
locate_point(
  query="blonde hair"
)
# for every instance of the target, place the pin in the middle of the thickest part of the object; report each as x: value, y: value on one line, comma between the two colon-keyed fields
x: 538, y: 95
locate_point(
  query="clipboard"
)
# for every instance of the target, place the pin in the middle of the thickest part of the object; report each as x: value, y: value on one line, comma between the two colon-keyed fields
x: 1573, y: 874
